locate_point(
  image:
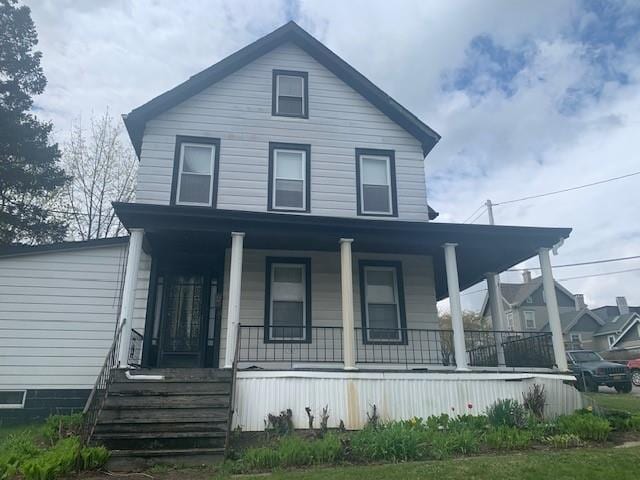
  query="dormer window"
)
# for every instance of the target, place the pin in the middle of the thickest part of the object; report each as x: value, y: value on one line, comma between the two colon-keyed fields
x: 195, y: 171
x: 289, y: 175
x: 375, y: 177
x: 290, y: 94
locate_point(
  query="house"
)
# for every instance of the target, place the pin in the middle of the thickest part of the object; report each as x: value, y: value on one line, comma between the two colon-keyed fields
x: 620, y: 332
x: 281, y: 255
x: 524, y: 303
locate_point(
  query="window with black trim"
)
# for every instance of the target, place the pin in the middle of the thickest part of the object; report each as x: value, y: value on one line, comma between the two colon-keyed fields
x: 288, y: 300
x: 195, y: 171
x: 289, y: 177
x: 382, y: 302
x: 12, y: 398
x: 290, y: 94
x: 376, y: 178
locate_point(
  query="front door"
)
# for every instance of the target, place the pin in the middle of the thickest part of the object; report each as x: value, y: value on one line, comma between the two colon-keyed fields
x: 184, y: 319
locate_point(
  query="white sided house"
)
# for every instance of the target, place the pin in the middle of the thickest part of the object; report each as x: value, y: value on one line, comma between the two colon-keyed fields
x: 282, y: 255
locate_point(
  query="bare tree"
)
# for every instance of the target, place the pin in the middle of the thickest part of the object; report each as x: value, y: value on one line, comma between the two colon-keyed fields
x: 103, y: 167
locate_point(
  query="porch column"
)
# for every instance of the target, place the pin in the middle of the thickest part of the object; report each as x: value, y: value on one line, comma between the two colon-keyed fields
x: 552, y: 309
x: 346, y: 283
x: 235, y: 286
x: 129, y: 293
x: 455, y: 306
x: 497, y: 315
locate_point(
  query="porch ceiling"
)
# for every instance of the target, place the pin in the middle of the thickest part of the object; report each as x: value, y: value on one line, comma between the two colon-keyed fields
x: 481, y: 248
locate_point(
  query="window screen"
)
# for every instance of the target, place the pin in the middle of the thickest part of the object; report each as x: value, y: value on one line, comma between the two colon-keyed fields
x: 290, y: 93
x: 288, y: 301
x: 381, y: 298
x: 289, y: 179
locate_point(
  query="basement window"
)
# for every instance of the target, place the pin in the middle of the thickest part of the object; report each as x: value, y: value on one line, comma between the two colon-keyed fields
x: 12, y: 398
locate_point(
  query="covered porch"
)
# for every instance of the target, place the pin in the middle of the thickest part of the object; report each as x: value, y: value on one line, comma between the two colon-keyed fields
x: 238, y: 333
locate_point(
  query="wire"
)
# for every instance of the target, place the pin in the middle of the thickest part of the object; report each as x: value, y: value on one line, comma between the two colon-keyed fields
x: 478, y: 216
x: 567, y: 189
x: 474, y: 212
x: 599, y: 274
x: 593, y: 262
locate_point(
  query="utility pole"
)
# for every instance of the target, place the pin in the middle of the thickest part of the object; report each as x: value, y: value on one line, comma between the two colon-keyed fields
x: 490, y: 212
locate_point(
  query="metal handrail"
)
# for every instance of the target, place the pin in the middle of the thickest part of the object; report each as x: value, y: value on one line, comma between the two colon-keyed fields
x: 98, y: 395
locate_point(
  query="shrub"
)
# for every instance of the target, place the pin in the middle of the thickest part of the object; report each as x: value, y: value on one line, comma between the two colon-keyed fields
x: 622, y: 421
x: 535, y: 400
x: 14, y: 451
x: 394, y: 442
x: 281, y: 424
x: 507, y: 413
x: 295, y: 452
x: 58, y: 427
x: 445, y: 444
x: 469, y: 422
x: 587, y: 427
x: 261, y: 458
x: 329, y: 449
x: 508, y: 438
x: 63, y: 458
x: 564, y: 440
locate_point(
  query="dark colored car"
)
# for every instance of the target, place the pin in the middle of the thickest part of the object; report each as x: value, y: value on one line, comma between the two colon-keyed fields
x: 634, y: 367
x: 592, y: 371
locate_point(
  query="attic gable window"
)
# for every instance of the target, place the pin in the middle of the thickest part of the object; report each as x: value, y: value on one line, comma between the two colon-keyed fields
x: 290, y: 94
x: 376, y: 182
x: 195, y: 171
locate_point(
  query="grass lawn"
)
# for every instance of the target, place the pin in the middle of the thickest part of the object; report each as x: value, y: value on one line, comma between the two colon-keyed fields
x: 585, y: 464
x: 617, y: 401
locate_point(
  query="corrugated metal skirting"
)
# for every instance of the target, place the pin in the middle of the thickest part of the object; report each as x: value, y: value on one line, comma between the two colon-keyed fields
x: 351, y: 395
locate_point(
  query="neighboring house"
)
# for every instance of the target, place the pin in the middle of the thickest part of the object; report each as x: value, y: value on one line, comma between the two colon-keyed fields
x: 524, y: 304
x: 280, y: 249
x: 621, y: 327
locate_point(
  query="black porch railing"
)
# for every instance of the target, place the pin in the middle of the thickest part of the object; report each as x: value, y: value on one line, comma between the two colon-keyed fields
x: 520, y: 349
x: 289, y: 344
x: 135, y: 349
x: 404, y: 346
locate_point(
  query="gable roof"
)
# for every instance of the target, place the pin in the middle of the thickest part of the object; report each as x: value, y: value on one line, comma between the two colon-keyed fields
x: 635, y: 319
x: 569, y: 319
x: 290, y: 32
x: 516, y: 293
x: 616, y: 324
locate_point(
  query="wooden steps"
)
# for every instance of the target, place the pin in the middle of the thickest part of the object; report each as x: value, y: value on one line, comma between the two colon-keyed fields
x: 186, y: 414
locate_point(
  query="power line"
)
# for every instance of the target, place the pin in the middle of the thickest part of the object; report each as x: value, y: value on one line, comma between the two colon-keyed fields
x: 599, y: 274
x: 568, y: 189
x: 479, y: 215
x: 593, y: 262
x: 474, y: 212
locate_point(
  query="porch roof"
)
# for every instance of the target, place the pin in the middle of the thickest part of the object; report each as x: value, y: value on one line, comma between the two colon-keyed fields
x: 481, y: 248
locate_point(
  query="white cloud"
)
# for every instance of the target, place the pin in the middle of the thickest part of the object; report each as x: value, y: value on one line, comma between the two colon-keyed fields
x: 121, y: 54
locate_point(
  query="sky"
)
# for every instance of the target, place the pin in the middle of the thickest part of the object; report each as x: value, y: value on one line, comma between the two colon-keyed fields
x: 529, y: 97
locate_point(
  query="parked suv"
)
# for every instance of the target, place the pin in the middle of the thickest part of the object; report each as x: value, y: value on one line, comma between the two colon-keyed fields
x: 634, y: 367
x: 592, y: 371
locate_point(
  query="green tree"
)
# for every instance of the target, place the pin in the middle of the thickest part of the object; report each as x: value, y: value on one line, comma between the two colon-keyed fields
x: 470, y: 320
x: 29, y: 170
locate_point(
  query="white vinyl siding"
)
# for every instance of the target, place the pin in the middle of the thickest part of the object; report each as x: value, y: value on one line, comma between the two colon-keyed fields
x: 195, y: 175
x: 238, y: 111
x: 58, y: 312
x: 289, y: 179
x: 326, y: 310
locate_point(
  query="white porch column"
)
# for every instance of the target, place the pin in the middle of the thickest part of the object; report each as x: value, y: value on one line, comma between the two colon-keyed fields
x: 552, y: 309
x: 129, y: 293
x: 497, y: 315
x: 455, y: 305
x: 235, y: 287
x: 346, y: 283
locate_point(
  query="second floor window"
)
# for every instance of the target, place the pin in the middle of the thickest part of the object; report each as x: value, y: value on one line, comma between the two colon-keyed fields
x: 290, y: 94
x: 375, y: 172
x: 529, y: 319
x: 195, y: 171
x: 289, y: 166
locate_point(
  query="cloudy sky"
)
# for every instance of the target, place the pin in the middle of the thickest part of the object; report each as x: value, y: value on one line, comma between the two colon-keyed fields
x: 529, y: 96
